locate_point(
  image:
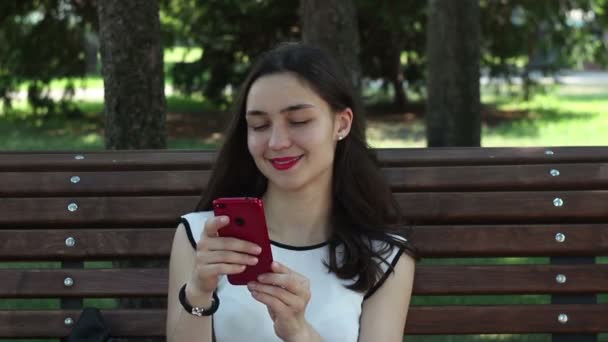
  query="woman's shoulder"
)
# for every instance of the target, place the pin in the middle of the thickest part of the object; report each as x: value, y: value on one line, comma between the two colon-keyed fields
x: 194, y: 223
x: 389, y: 250
x: 391, y: 247
x: 389, y: 242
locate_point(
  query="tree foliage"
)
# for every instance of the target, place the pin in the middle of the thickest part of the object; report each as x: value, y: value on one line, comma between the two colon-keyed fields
x: 41, y: 40
x: 230, y: 33
x: 521, y: 36
x: 393, y: 43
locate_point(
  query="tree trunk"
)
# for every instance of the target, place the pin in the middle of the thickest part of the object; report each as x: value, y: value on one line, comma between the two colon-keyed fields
x: 332, y: 25
x: 453, y: 51
x: 132, y: 66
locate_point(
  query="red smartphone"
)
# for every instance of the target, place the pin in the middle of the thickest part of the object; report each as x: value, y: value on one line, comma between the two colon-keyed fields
x: 247, y: 222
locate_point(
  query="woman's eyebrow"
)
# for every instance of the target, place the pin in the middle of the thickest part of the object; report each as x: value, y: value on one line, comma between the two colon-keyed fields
x: 290, y: 108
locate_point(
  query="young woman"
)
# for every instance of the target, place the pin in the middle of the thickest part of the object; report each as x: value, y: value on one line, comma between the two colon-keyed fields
x: 339, y: 273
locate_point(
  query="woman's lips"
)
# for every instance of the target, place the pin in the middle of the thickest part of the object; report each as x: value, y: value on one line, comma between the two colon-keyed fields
x: 284, y: 163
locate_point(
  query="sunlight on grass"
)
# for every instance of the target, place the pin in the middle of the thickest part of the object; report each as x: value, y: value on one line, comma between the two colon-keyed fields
x: 182, y: 54
x: 382, y: 134
x: 175, y: 103
x: 94, y: 81
x: 562, y: 117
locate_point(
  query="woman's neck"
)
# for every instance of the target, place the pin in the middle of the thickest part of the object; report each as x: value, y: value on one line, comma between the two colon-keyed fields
x: 299, y: 218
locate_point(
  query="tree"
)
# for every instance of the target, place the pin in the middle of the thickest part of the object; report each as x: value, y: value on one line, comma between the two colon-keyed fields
x: 332, y: 26
x: 392, y: 44
x: 453, y: 48
x: 132, y: 67
x: 231, y: 34
x: 29, y: 32
x: 522, y: 37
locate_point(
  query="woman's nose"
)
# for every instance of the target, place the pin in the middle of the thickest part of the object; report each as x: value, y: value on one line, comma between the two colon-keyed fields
x: 279, y: 138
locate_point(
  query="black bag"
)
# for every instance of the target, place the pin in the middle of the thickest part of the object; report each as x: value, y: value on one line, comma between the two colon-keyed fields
x: 90, y: 327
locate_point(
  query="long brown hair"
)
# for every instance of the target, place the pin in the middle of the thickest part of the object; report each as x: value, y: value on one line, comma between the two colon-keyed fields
x: 363, y: 208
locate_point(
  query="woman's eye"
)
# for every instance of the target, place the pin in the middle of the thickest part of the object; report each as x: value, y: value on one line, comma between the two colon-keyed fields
x: 259, y: 127
x: 300, y: 123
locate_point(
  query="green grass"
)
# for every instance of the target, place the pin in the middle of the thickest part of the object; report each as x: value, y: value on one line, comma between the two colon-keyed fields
x: 21, y: 130
x: 564, y: 116
x: 182, y: 54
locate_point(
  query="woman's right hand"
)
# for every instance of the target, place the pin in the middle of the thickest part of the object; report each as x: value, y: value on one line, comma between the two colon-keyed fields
x: 217, y: 256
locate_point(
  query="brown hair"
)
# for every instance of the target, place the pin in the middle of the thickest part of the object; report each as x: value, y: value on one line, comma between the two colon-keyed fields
x: 363, y: 206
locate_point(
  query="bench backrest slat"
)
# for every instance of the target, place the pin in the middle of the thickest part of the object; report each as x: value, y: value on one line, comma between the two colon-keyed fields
x: 432, y: 241
x: 427, y: 207
x: 504, y: 207
x: 430, y: 280
x: 45, y: 283
x: 96, y: 211
x: 408, y: 179
x: 512, y: 319
x: 89, y: 244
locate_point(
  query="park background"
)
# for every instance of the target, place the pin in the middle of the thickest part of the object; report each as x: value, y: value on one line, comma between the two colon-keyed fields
x: 430, y: 73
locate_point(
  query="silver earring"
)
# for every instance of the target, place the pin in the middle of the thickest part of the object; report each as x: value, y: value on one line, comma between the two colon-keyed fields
x: 340, y: 137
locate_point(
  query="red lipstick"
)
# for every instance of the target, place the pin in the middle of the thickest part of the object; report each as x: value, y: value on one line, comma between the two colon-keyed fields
x: 284, y: 163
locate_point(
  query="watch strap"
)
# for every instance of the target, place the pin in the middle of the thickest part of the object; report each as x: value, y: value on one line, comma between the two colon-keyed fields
x: 195, y: 310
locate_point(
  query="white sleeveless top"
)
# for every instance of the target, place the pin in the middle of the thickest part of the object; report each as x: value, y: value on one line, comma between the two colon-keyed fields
x: 333, y: 310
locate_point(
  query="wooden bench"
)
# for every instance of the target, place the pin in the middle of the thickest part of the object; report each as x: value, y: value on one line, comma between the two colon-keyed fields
x: 550, y: 205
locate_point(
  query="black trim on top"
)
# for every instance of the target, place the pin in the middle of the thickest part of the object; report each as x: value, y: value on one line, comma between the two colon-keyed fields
x: 189, y: 232
x: 385, y: 275
x: 299, y: 248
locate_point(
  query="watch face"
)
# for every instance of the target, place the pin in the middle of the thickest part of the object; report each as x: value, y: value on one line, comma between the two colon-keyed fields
x: 197, y: 312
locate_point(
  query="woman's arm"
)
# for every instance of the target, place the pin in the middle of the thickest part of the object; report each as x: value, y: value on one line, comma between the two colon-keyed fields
x: 182, y: 326
x: 383, y: 314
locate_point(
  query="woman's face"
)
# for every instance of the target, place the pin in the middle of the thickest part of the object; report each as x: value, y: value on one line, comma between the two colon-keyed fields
x: 292, y: 132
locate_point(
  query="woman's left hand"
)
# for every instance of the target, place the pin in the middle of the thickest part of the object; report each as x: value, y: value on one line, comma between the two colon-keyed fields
x: 286, y: 294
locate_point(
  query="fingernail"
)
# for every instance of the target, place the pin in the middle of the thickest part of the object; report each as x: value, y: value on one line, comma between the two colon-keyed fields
x: 258, y: 250
x: 223, y: 219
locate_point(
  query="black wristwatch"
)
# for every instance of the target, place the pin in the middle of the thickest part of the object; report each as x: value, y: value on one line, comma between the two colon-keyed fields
x: 196, y: 311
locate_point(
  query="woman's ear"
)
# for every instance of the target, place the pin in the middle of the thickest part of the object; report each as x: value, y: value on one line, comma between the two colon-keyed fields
x: 343, y: 123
